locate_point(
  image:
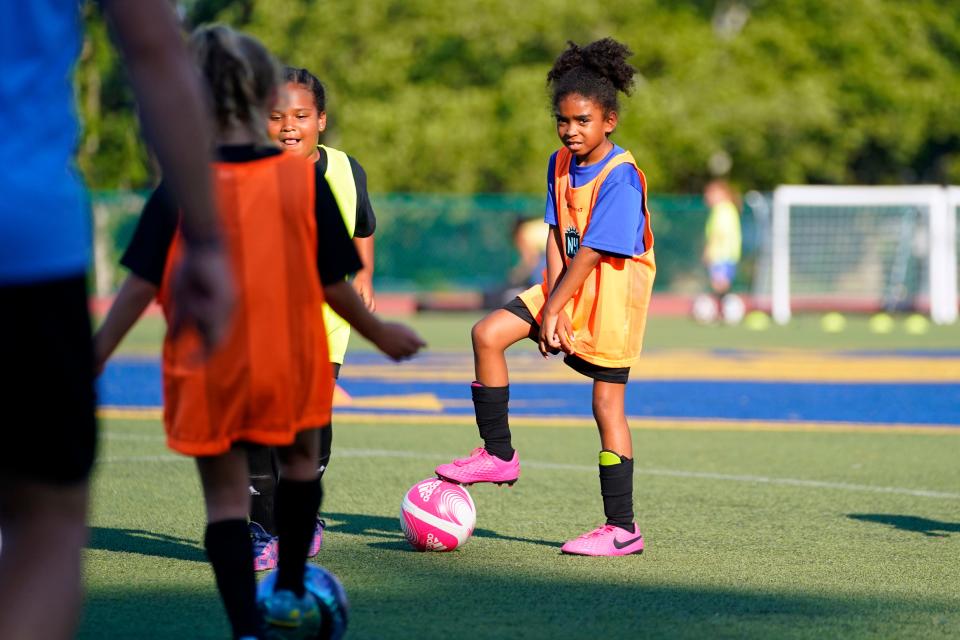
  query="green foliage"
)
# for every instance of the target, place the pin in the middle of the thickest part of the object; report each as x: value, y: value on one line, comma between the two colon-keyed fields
x: 448, y: 98
x: 112, y: 154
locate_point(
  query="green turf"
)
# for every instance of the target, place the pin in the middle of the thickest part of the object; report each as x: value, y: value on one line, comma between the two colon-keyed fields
x: 729, y: 556
x: 451, y: 331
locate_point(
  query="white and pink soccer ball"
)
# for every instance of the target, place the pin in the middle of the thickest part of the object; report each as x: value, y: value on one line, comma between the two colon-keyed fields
x: 437, y: 515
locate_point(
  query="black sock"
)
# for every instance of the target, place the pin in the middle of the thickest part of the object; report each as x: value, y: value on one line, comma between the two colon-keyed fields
x: 297, y: 504
x: 230, y: 552
x: 490, y: 406
x: 616, y: 487
x: 326, y: 440
x: 263, y: 486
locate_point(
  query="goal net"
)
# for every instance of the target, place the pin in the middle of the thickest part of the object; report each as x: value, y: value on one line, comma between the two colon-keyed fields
x: 864, y: 249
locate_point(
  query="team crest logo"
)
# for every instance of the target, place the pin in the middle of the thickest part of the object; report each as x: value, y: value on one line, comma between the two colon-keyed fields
x: 571, y: 241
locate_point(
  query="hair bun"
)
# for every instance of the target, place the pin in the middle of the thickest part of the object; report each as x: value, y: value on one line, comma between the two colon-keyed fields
x: 608, y: 58
x: 598, y: 71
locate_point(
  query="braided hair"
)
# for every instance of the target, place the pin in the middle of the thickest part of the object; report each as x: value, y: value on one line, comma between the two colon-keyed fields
x: 301, y: 76
x: 597, y: 71
x: 241, y: 75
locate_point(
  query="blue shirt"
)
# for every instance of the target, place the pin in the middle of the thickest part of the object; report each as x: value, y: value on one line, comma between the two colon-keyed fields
x: 617, y: 221
x: 44, y: 219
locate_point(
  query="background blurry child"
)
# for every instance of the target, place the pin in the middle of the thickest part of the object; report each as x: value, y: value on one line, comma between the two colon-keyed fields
x: 722, y: 238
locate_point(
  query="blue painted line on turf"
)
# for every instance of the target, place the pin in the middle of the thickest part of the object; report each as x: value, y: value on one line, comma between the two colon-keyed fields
x: 934, y: 354
x: 137, y: 383
x: 816, y: 402
x: 131, y: 383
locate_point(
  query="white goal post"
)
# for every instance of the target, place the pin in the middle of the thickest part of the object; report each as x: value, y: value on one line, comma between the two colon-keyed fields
x: 889, y: 247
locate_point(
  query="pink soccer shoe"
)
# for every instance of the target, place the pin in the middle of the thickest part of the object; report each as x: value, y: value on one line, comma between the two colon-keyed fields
x: 265, y: 552
x: 480, y: 466
x: 608, y: 540
x: 317, y: 541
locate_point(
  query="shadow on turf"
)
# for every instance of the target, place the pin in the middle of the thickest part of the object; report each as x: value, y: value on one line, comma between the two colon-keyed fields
x: 147, y: 543
x: 915, y: 524
x: 385, y: 527
x: 535, y: 608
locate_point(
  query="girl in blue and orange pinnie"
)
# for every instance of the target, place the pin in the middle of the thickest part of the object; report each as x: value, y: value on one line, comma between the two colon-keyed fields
x: 593, y: 302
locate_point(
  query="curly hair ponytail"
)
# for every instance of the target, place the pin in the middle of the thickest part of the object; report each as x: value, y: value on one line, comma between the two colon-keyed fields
x: 597, y: 71
x: 241, y: 76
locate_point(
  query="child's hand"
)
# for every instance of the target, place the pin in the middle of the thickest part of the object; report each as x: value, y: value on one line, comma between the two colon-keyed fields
x: 563, y: 331
x: 556, y: 334
x: 203, y: 294
x: 398, y: 341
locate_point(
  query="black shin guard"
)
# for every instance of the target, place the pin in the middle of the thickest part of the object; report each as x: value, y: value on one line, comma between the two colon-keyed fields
x: 231, y: 553
x: 263, y: 486
x: 326, y: 440
x: 490, y: 406
x: 297, y: 504
x: 616, y: 487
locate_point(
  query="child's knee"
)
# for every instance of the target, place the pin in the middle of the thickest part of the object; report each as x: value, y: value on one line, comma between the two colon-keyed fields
x: 227, y: 502
x: 482, y: 335
x: 299, y: 460
x: 607, y: 405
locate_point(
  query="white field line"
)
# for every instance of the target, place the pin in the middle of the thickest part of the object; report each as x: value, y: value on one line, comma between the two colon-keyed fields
x: 555, y: 466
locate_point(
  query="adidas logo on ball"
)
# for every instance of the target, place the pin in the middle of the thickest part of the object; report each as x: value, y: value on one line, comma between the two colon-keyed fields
x: 426, y: 489
x: 437, y: 515
x: 433, y: 544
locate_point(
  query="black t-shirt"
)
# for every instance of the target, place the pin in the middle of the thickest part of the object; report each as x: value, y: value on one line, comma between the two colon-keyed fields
x: 146, y: 255
x: 366, y: 220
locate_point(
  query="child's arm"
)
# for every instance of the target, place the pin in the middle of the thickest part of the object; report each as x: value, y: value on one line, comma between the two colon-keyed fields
x: 363, y: 280
x: 555, y: 272
x: 556, y: 330
x: 395, y: 340
x: 555, y: 264
x: 133, y: 298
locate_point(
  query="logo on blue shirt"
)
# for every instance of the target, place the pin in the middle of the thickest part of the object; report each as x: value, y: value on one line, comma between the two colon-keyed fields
x: 571, y: 241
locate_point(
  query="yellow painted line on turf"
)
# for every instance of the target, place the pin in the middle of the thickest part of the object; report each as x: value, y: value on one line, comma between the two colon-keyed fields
x: 417, y: 401
x: 130, y: 413
x: 636, y: 422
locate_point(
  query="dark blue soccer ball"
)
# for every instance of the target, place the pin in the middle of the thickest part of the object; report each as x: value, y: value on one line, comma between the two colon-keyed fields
x: 329, y: 594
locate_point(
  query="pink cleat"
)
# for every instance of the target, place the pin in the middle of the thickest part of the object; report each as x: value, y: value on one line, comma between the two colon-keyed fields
x: 317, y: 541
x: 265, y: 552
x: 480, y: 466
x: 608, y: 540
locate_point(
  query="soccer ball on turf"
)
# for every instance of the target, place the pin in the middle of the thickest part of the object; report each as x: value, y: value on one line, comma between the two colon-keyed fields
x: 733, y: 308
x: 330, y: 597
x: 705, y: 309
x: 437, y: 515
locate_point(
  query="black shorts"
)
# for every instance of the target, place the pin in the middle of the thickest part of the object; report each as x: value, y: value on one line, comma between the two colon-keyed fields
x: 617, y: 375
x: 48, y: 422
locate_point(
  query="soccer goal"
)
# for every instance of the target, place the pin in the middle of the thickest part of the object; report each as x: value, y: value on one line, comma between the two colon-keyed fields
x: 864, y: 249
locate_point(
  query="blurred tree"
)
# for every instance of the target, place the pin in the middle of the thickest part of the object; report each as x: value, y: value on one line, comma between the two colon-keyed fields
x: 451, y: 98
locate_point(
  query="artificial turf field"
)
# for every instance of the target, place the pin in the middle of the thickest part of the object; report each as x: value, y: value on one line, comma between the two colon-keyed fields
x: 754, y: 528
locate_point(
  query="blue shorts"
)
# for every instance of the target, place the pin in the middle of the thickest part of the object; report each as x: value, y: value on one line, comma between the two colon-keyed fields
x: 723, y: 271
